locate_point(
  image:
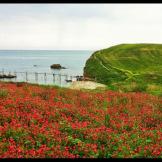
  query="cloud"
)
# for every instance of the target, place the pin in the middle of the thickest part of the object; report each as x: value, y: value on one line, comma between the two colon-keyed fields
x: 78, y: 26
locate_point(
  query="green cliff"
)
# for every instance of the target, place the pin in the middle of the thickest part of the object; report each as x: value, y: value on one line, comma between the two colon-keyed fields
x: 126, y: 63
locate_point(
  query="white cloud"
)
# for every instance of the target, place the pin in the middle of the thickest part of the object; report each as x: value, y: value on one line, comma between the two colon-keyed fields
x: 78, y: 26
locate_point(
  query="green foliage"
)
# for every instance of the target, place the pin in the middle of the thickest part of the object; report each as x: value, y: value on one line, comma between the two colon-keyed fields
x: 107, y: 120
x: 126, y: 63
x: 3, y: 93
x: 17, y: 135
x: 105, y: 104
x: 74, y: 141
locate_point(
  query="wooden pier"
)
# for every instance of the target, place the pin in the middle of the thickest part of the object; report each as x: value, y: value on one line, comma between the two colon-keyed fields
x: 35, y: 77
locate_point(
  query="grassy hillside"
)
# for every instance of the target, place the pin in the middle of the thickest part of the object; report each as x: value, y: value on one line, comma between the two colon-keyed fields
x: 125, y: 65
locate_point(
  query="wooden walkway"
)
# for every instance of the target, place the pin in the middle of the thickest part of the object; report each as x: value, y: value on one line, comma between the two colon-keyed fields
x: 35, y: 77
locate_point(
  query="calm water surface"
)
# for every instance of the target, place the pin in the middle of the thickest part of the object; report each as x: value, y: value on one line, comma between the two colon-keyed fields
x: 25, y: 61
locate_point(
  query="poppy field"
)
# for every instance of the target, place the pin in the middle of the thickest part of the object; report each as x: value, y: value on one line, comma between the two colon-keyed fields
x: 50, y: 122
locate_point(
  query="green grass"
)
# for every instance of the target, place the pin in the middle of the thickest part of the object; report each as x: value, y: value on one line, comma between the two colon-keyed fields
x: 127, y: 64
x: 3, y: 93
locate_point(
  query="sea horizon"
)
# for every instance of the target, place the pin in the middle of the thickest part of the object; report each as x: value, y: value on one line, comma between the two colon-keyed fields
x: 39, y: 61
x: 46, y: 50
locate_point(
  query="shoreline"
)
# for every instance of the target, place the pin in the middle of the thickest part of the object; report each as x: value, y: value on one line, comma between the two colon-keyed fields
x: 78, y: 85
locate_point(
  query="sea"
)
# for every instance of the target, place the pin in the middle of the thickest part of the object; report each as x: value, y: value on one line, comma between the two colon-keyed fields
x: 26, y: 63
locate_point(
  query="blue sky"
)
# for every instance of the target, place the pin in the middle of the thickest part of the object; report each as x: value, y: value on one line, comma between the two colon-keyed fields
x: 78, y: 26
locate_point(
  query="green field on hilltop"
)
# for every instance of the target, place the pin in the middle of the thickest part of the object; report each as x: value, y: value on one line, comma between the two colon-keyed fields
x: 128, y: 67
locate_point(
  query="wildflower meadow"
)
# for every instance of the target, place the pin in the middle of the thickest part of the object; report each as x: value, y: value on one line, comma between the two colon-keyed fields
x: 51, y: 122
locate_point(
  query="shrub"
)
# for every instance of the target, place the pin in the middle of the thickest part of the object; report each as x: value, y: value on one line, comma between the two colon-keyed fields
x: 3, y: 93
x: 140, y: 88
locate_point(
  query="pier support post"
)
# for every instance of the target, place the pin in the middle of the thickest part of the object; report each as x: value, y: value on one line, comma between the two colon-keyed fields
x: 9, y: 75
x: 26, y: 77
x: 15, y: 75
x: 36, y: 77
x: 45, y: 77
x: 54, y: 78
x: 60, y: 79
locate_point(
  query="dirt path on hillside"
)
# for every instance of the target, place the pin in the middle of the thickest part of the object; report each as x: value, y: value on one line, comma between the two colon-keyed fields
x: 128, y: 73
